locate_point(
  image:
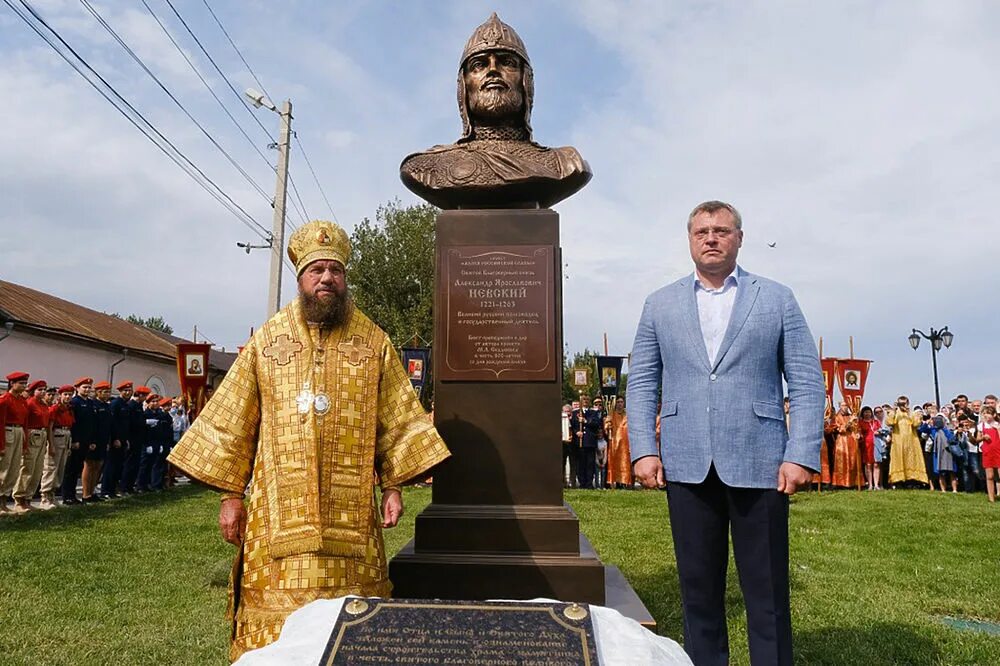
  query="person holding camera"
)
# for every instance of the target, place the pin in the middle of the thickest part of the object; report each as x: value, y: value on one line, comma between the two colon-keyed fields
x: 906, y: 462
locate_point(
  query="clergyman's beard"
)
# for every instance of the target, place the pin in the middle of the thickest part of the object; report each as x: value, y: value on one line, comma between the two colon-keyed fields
x: 496, y: 106
x: 326, y: 311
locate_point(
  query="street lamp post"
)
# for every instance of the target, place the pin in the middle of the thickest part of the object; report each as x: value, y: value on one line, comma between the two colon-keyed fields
x: 936, y: 338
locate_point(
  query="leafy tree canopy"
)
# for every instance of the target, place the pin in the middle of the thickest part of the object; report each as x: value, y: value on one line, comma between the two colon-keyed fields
x: 391, y: 271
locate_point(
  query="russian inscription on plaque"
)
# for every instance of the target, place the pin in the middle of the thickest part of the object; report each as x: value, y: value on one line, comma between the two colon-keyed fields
x: 423, y: 632
x: 499, y: 313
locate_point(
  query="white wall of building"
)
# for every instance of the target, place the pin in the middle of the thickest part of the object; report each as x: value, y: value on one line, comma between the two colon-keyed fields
x: 63, y: 361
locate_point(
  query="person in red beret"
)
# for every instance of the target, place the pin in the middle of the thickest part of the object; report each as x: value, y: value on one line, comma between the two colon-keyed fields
x: 136, y: 439
x: 39, y: 440
x: 81, y: 439
x: 96, y: 452
x: 118, y: 449
x: 13, y: 416
x: 61, y: 419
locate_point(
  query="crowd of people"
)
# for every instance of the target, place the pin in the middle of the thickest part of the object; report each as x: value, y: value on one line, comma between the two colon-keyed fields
x: 953, y: 448
x: 956, y: 447
x: 55, y: 437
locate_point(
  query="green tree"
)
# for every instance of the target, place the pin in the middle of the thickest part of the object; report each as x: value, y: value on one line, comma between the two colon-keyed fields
x: 391, y: 270
x: 155, y: 323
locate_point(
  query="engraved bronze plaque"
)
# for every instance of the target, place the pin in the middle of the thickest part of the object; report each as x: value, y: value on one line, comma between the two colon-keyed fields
x: 423, y: 632
x: 499, y: 313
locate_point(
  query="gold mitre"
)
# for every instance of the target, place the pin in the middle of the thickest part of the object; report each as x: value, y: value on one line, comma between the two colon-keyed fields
x: 494, y: 35
x: 317, y: 240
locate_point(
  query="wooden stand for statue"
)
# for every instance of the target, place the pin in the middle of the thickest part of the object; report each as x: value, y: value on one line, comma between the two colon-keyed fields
x: 497, y: 527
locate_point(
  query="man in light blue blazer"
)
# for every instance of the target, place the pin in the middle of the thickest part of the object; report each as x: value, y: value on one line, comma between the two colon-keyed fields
x: 719, y: 342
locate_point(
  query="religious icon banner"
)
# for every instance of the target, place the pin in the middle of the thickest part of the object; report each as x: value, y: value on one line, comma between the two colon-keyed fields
x: 192, y: 372
x: 609, y: 372
x: 417, y: 362
x: 852, y: 374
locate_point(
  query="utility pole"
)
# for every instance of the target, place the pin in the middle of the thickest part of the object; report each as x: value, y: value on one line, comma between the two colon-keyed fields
x: 280, y: 195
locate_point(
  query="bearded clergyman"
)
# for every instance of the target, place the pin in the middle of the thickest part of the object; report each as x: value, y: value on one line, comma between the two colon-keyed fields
x: 495, y: 163
x: 315, y: 413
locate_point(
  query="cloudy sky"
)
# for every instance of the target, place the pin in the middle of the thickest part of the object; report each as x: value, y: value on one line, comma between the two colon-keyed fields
x: 860, y: 137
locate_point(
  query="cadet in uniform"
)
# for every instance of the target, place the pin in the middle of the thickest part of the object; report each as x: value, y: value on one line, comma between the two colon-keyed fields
x: 136, y: 438
x: 61, y: 418
x: 118, y: 449
x: 81, y: 438
x: 13, y: 415
x: 39, y: 441
x: 164, y: 437
x: 95, y: 455
x: 151, y: 444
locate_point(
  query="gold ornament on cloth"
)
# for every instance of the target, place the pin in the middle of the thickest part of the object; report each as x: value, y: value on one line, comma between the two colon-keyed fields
x: 317, y: 240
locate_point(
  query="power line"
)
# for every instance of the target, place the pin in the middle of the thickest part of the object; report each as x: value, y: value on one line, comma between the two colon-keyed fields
x: 315, y: 178
x: 235, y: 48
x: 177, y: 156
x: 217, y: 68
x: 207, y: 85
x: 298, y: 206
x: 173, y: 98
x: 298, y: 196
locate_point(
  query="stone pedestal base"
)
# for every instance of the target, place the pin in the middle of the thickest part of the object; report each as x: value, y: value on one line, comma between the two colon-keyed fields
x: 497, y: 527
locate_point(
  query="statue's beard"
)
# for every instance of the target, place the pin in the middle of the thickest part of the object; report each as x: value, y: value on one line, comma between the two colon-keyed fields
x: 495, y: 106
x: 331, y: 311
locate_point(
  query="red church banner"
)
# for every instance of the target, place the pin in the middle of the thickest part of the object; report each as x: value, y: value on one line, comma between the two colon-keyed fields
x: 852, y: 375
x: 192, y: 371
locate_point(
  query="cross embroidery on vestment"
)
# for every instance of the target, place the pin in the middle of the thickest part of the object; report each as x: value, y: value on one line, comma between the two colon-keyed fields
x: 355, y: 350
x: 282, y: 349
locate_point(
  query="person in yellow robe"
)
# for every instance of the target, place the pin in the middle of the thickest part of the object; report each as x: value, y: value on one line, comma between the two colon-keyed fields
x: 906, y: 457
x: 619, y: 456
x: 314, y: 413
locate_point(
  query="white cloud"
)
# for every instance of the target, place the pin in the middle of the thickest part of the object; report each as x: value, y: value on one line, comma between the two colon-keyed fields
x: 857, y: 137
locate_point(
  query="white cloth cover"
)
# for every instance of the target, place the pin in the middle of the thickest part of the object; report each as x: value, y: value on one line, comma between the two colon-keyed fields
x: 620, y: 641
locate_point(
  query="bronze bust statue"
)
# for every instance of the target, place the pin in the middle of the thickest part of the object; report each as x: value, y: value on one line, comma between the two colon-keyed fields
x: 495, y: 163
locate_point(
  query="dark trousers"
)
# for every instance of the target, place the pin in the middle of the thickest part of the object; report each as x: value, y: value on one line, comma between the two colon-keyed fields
x: 569, y: 454
x: 159, y: 471
x: 701, y: 518
x: 130, y: 467
x: 972, y: 472
x: 71, y: 474
x: 112, y: 473
x: 147, y: 459
x: 586, y: 466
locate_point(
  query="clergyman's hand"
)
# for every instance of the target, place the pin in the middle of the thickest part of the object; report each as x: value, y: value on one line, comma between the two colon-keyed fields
x: 392, y: 507
x: 233, y: 520
x: 791, y: 477
x: 649, y: 471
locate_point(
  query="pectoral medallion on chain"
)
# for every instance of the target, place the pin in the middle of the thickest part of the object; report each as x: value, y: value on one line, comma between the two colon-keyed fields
x: 304, y: 401
x: 321, y: 403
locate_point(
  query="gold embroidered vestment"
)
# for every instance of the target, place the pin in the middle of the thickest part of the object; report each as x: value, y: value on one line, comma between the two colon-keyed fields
x: 310, y: 419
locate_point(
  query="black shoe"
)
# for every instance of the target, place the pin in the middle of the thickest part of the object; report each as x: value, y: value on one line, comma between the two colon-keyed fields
x: 71, y: 500
x: 90, y: 500
x: 99, y: 498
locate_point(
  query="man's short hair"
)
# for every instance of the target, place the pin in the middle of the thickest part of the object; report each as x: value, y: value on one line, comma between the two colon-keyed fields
x: 711, y: 207
x: 990, y: 396
x: 961, y: 396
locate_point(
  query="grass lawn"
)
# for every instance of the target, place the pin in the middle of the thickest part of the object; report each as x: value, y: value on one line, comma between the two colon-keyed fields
x: 142, y: 580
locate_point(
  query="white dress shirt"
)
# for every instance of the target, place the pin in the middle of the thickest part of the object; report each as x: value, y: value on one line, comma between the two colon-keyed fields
x: 715, y: 306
